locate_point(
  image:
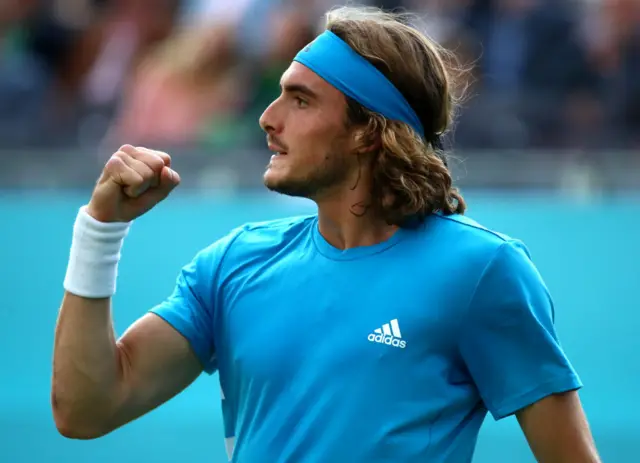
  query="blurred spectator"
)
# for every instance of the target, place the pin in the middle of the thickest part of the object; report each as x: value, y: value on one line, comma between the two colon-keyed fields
x: 532, y: 66
x: 191, y: 85
x: 24, y: 78
x: 550, y: 73
x: 289, y: 30
x: 70, y: 60
x: 615, y: 52
x: 105, y: 55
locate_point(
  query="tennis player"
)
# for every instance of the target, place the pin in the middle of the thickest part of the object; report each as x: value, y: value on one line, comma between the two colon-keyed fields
x: 382, y: 329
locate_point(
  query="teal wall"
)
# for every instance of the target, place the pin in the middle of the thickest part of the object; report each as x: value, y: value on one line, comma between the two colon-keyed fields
x: 588, y: 254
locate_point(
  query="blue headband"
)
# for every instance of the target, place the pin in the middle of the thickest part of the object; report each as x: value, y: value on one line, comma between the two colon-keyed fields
x: 337, y: 63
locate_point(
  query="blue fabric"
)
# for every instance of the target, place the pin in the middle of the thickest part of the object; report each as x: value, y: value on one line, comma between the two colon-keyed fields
x: 337, y: 63
x: 391, y: 352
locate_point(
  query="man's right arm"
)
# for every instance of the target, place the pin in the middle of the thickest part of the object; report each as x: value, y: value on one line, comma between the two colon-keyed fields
x: 100, y: 383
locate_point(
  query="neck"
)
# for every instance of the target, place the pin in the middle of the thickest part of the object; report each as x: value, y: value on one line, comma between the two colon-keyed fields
x: 346, y: 221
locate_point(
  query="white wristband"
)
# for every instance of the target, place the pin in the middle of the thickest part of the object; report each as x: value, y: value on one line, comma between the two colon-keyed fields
x: 94, y: 256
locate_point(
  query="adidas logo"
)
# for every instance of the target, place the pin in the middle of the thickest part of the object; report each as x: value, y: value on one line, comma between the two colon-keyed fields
x: 389, y: 334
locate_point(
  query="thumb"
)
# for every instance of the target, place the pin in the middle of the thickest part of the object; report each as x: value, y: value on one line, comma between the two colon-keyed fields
x: 169, y: 179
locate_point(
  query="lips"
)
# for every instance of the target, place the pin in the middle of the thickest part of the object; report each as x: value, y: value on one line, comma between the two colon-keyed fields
x: 277, y: 149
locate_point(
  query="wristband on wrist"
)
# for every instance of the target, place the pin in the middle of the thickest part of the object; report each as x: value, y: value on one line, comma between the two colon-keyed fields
x: 93, y: 259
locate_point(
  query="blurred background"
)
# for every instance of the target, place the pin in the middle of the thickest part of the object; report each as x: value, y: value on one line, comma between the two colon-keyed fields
x: 546, y: 149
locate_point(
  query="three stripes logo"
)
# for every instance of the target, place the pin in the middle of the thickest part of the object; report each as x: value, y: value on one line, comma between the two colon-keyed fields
x: 389, y: 334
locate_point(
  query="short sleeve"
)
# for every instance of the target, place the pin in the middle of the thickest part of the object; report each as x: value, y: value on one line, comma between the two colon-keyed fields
x: 190, y: 309
x: 508, y: 341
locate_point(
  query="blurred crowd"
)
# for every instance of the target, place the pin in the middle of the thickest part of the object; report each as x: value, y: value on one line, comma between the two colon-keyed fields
x: 198, y: 73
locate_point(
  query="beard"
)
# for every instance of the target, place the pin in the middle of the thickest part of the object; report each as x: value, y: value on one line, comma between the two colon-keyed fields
x: 331, y: 172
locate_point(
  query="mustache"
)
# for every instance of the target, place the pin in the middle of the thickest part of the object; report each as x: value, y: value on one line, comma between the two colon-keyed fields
x: 271, y: 140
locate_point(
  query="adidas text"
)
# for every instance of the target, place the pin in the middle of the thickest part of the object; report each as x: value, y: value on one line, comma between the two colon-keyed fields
x: 389, y: 340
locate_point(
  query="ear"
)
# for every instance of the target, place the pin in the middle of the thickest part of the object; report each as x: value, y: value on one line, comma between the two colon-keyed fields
x: 365, y: 143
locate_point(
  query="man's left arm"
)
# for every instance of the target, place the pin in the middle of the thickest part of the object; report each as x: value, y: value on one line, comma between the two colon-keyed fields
x: 557, y: 430
x: 511, y: 350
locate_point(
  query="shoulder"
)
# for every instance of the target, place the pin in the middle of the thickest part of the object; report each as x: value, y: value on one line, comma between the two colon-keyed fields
x: 275, y: 230
x: 256, y: 238
x: 504, y: 265
x: 464, y: 236
x: 494, y: 273
x: 464, y: 227
x: 471, y: 252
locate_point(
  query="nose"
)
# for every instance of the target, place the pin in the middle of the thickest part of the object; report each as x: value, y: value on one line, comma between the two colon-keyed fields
x: 270, y: 122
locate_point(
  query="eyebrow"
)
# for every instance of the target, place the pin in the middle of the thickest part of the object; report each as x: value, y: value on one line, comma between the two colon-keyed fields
x: 299, y: 88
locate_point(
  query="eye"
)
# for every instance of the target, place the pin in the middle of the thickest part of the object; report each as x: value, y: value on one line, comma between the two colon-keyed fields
x: 301, y: 103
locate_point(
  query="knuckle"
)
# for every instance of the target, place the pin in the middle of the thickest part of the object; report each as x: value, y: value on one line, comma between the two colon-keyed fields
x: 128, y: 149
x: 157, y: 162
x: 160, y: 154
x: 113, y: 163
x: 119, y: 155
x: 163, y: 155
x: 153, y: 160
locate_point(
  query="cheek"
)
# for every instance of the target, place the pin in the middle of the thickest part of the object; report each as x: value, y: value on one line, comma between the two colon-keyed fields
x: 311, y: 135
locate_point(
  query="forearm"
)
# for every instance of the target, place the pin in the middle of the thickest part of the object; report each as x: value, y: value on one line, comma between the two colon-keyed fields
x: 99, y: 383
x: 87, y: 365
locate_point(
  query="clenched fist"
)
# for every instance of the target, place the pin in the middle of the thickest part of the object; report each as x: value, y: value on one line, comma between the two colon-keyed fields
x: 133, y: 181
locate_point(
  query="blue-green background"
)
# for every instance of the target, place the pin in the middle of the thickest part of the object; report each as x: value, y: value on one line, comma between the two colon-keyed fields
x: 587, y: 251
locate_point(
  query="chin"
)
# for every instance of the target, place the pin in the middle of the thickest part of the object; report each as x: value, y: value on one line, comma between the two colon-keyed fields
x: 272, y: 177
x: 279, y: 183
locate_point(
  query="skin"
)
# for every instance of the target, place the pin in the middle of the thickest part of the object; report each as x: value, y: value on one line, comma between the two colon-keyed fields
x: 326, y: 161
x: 100, y: 383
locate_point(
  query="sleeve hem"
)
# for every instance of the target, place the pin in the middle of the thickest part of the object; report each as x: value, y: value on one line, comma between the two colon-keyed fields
x: 553, y: 386
x: 177, y: 324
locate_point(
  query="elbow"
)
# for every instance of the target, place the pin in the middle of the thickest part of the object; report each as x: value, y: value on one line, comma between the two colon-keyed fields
x: 71, y: 431
x: 74, y: 425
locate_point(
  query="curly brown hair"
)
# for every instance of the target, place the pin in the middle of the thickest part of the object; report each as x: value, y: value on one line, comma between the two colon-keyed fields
x: 411, y: 178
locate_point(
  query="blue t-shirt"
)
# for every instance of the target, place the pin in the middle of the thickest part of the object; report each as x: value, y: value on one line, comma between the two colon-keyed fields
x: 386, y: 353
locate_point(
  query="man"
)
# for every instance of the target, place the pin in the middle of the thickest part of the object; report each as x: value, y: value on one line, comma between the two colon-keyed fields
x: 381, y: 329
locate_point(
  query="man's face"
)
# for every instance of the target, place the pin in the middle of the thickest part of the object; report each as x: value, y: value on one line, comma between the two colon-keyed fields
x: 306, y: 129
